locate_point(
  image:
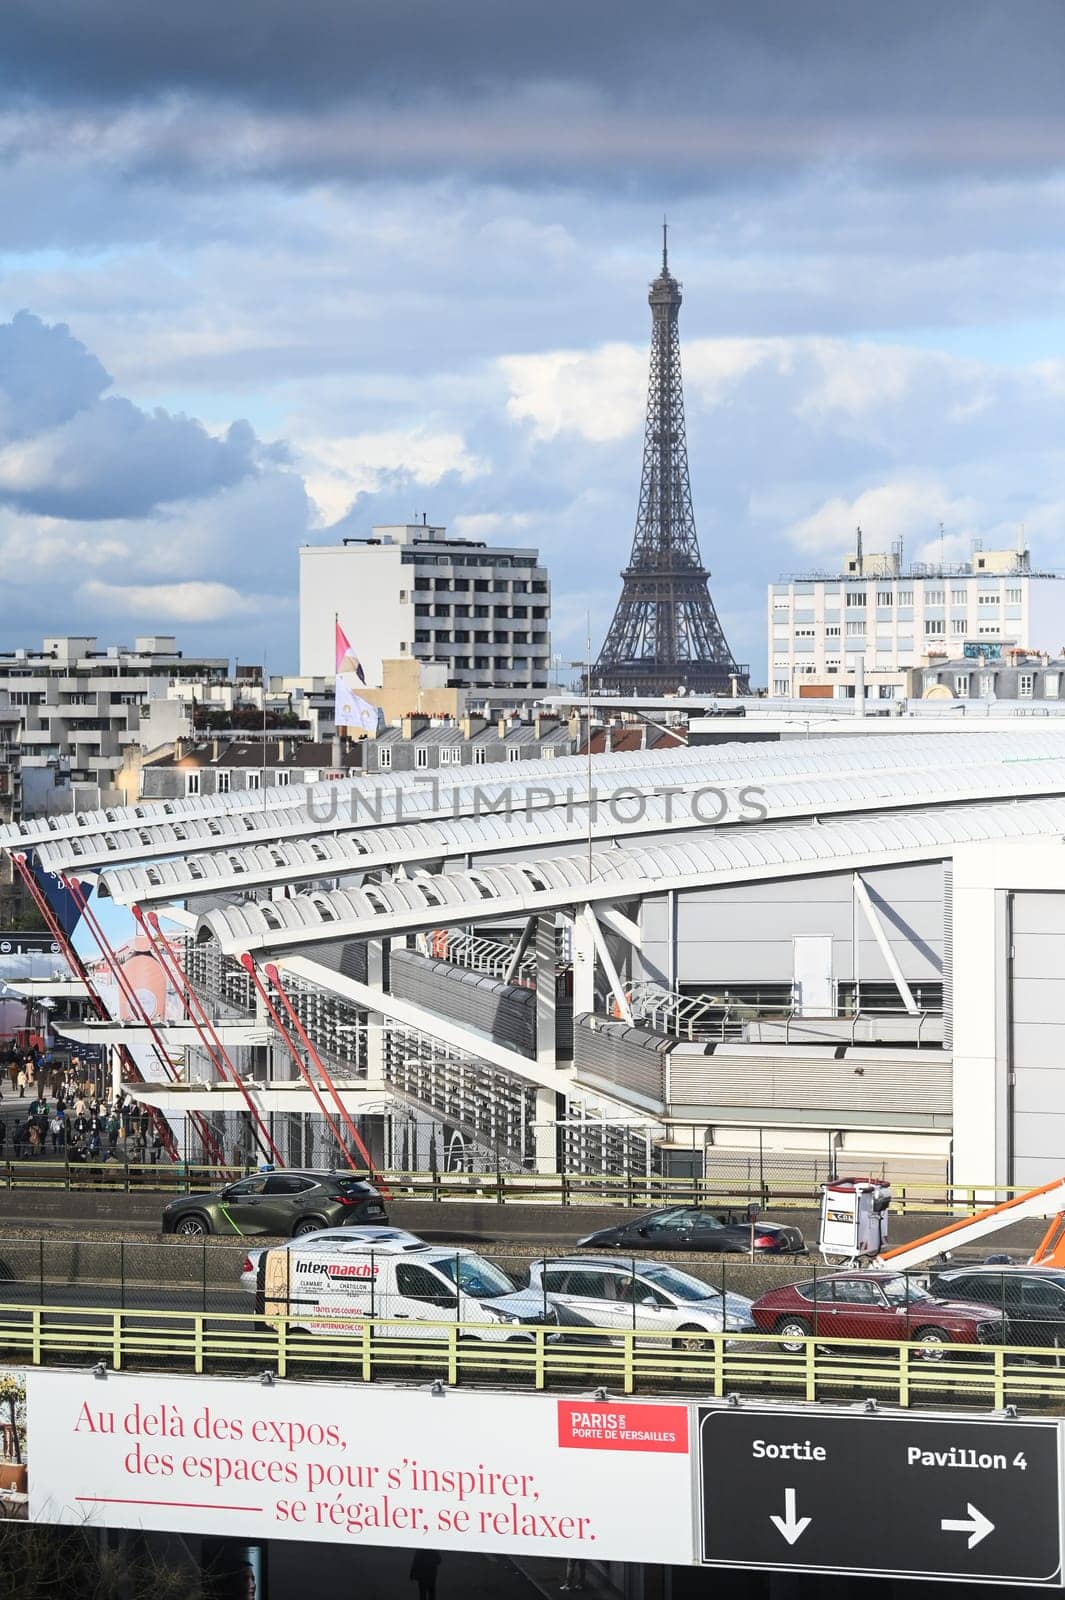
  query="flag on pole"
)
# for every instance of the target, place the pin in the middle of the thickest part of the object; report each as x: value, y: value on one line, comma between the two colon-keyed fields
x: 351, y: 710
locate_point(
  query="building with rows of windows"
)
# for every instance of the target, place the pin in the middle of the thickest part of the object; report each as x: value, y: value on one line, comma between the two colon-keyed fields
x: 878, y: 620
x: 483, y: 612
x: 1022, y: 675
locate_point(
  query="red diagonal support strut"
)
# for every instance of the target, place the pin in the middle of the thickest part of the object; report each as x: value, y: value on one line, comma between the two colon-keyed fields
x: 204, y: 1027
x: 275, y: 978
x: 133, y: 999
x: 249, y: 966
x: 81, y: 971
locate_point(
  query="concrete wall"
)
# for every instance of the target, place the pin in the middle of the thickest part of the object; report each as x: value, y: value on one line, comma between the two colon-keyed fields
x: 747, y: 933
x: 1038, y: 1037
x: 361, y: 584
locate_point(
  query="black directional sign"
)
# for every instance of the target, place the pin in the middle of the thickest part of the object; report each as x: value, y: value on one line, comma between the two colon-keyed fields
x: 885, y: 1495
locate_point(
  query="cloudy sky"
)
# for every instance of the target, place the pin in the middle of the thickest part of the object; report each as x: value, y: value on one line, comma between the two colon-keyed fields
x: 274, y: 270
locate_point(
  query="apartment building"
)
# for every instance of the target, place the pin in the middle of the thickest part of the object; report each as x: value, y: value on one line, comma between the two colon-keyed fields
x: 877, y: 620
x: 80, y: 708
x: 426, y: 744
x: 1022, y: 675
x: 229, y: 763
x: 483, y: 612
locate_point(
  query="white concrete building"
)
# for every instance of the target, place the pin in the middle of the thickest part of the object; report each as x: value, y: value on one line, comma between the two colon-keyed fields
x: 891, y: 619
x: 81, y: 708
x: 482, y: 611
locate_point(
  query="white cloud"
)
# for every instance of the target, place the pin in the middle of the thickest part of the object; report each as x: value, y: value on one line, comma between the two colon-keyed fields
x: 898, y: 510
x: 337, y: 470
x: 46, y: 544
x: 598, y: 394
x: 498, y: 525
x: 179, y: 602
x: 856, y: 380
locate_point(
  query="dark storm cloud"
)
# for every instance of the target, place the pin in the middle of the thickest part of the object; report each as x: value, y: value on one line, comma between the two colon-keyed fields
x: 908, y: 57
x: 693, y: 90
x: 46, y: 376
x: 68, y: 450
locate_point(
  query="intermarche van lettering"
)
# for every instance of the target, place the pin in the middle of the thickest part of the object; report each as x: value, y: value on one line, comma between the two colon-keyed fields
x: 619, y: 1426
x: 369, y: 1464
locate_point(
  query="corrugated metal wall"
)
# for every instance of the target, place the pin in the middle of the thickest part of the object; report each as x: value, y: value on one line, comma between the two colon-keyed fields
x: 503, y: 1011
x: 1038, y: 1004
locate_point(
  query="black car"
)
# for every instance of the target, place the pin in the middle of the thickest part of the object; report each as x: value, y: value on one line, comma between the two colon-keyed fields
x: 278, y: 1203
x: 1032, y: 1298
x: 697, y: 1228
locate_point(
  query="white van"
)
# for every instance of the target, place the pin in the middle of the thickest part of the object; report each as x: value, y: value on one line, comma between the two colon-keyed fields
x: 402, y: 1285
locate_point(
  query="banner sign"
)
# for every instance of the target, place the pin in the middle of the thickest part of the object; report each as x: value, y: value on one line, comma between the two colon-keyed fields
x: 364, y: 1464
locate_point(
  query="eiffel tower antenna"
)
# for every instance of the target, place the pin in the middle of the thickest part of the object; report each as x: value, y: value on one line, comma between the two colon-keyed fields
x: 665, y: 634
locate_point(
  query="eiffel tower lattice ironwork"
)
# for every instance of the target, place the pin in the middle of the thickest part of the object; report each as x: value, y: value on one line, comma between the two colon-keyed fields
x: 665, y: 634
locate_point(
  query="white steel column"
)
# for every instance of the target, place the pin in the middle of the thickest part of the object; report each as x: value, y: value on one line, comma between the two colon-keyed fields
x: 583, y: 962
x: 545, y: 994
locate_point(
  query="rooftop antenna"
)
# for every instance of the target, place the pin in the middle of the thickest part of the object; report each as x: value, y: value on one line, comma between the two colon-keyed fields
x: 942, y: 556
x: 665, y: 248
x: 858, y: 552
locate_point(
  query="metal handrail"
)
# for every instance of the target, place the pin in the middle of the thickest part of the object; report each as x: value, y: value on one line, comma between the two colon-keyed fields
x: 818, y: 1368
x: 500, y: 1186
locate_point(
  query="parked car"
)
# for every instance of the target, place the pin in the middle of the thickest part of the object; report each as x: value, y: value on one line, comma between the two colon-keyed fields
x: 874, y: 1305
x: 613, y: 1293
x: 372, y: 1235
x: 697, y: 1228
x: 279, y: 1203
x: 1031, y: 1300
x: 411, y: 1291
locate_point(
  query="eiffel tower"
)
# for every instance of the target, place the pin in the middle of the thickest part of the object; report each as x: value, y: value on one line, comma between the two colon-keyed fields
x: 665, y: 634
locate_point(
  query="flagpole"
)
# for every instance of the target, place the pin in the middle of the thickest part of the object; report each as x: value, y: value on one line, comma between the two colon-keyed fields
x: 336, y: 629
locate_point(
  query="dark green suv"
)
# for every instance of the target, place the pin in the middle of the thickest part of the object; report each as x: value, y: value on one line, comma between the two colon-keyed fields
x: 279, y: 1203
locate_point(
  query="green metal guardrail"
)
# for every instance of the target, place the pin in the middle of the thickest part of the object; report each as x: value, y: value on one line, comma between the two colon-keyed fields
x: 501, y: 1188
x: 751, y: 1364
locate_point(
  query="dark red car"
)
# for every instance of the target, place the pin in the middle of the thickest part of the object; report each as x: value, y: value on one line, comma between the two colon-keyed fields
x: 874, y: 1305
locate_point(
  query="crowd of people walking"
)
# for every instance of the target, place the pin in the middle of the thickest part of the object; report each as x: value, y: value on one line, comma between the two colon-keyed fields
x: 67, y: 1115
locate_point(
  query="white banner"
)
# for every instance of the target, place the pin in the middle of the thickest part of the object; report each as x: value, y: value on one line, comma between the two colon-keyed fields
x: 460, y: 1471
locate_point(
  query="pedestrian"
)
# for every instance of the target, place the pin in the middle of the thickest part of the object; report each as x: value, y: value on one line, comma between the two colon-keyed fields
x: 3, y: 1137
x: 157, y: 1146
x: 574, y: 1576
x: 18, y: 1139
x: 33, y: 1138
x: 423, y: 1570
x: 113, y: 1129
x: 22, y: 1081
x: 12, y: 1071
x: 57, y: 1128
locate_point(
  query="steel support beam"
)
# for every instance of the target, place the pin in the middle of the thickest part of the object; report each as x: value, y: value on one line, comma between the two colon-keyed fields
x: 876, y: 927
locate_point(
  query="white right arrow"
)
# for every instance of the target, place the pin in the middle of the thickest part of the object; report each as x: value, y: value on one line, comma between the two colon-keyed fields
x: 790, y: 1526
x: 977, y: 1526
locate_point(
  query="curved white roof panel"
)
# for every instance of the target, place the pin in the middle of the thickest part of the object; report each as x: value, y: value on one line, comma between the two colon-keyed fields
x: 454, y: 789
x: 809, y: 775
x: 719, y: 856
